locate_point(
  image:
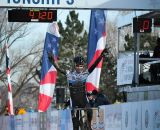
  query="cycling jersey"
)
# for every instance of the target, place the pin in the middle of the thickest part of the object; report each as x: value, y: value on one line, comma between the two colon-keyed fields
x: 76, y: 83
x: 75, y: 78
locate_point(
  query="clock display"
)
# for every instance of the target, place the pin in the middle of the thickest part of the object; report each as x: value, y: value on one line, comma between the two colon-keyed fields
x: 32, y: 15
x: 142, y: 25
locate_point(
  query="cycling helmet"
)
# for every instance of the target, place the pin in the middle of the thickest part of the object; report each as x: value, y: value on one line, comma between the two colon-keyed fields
x: 79, y: 60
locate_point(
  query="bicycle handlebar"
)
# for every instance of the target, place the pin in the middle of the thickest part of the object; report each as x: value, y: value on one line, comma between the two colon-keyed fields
x: 95, y: 108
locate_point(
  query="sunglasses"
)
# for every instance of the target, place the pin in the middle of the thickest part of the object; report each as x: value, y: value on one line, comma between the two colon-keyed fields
x: 79, y: 65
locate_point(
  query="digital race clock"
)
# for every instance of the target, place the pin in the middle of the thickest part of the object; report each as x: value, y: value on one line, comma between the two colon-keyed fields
x: 142, y: 25
x: 24, y: 15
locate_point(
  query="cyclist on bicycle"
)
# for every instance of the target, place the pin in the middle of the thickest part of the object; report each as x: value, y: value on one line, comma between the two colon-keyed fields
x: 76, y: 80
x: 78, y: 76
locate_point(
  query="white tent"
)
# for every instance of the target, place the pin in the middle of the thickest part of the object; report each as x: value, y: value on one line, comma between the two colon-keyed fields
x: 131, y: 4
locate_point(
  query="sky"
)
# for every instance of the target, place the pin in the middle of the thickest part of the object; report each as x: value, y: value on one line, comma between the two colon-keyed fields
x: 85, y: 16
x: 62, y: 14
x: 38, y: 30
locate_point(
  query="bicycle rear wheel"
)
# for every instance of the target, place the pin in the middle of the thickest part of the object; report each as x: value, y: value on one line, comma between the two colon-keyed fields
x: 86, y: 126
x: 84, y: 123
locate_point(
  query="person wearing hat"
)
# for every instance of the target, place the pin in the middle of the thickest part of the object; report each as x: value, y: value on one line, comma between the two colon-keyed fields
x: 90, y: 99
x: 99, y: 99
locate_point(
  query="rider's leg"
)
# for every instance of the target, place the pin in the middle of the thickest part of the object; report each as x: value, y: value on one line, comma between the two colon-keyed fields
x: 75, y: 119
x: 89, y: 116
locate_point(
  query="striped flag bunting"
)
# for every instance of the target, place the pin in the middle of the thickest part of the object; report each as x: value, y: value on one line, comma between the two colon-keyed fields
x: 48, y: 71
x: 96, y: 44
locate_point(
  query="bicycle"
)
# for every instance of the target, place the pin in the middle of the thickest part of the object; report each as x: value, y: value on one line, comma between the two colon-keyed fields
x: 80, y: 109
x: 84, y: 123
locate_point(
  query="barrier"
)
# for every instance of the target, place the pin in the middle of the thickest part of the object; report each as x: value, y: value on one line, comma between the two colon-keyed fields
x: 98, y: 119
x: 156, y: 115
x: 126, y: 116
x: 151, y: 115
x: 147, y: 116
x: 113, y: 117
x: 143, y: 115
x: 59, y: 120
x: 136, y: 118
x: 53, y: 120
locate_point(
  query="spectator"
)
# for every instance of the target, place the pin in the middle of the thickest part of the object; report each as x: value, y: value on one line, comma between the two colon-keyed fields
x: 6, y: 111
x: 16, y: 110
x: 90, y: 99
x: 99, y: 99
x: 31, y: 110
x: 21, y: 111
x: 155, y: 68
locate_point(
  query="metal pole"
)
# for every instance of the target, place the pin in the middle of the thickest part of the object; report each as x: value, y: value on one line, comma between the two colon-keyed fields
x: 136, y: 59
x: 134, y: 74
x: 118, y: 39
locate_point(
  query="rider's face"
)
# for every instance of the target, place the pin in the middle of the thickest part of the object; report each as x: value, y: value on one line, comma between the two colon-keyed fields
x: 90, y: 97
x: 79, y: 68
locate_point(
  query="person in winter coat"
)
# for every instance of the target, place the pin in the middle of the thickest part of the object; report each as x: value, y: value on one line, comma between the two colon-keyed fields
x: 155, y: 68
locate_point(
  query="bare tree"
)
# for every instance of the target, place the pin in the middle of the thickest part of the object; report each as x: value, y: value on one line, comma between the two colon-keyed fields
x: 23, y: 64
x: 112, y: 37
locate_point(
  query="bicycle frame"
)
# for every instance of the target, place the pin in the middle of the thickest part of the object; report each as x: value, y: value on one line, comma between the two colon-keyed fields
x: 84, y: 123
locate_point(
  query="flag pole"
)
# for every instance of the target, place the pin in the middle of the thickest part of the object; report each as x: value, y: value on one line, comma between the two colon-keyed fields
x: 10, y: 98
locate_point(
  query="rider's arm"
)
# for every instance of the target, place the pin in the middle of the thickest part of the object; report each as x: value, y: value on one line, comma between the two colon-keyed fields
x: 51, y: 59
x: 97, y: 60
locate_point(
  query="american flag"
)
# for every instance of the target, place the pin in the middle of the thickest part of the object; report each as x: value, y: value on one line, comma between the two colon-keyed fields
x: 96, y: 44
x: 48, y: 71
x: 10, y: 98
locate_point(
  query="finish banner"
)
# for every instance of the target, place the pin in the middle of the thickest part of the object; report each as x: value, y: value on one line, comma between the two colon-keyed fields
x: 85, y: 4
